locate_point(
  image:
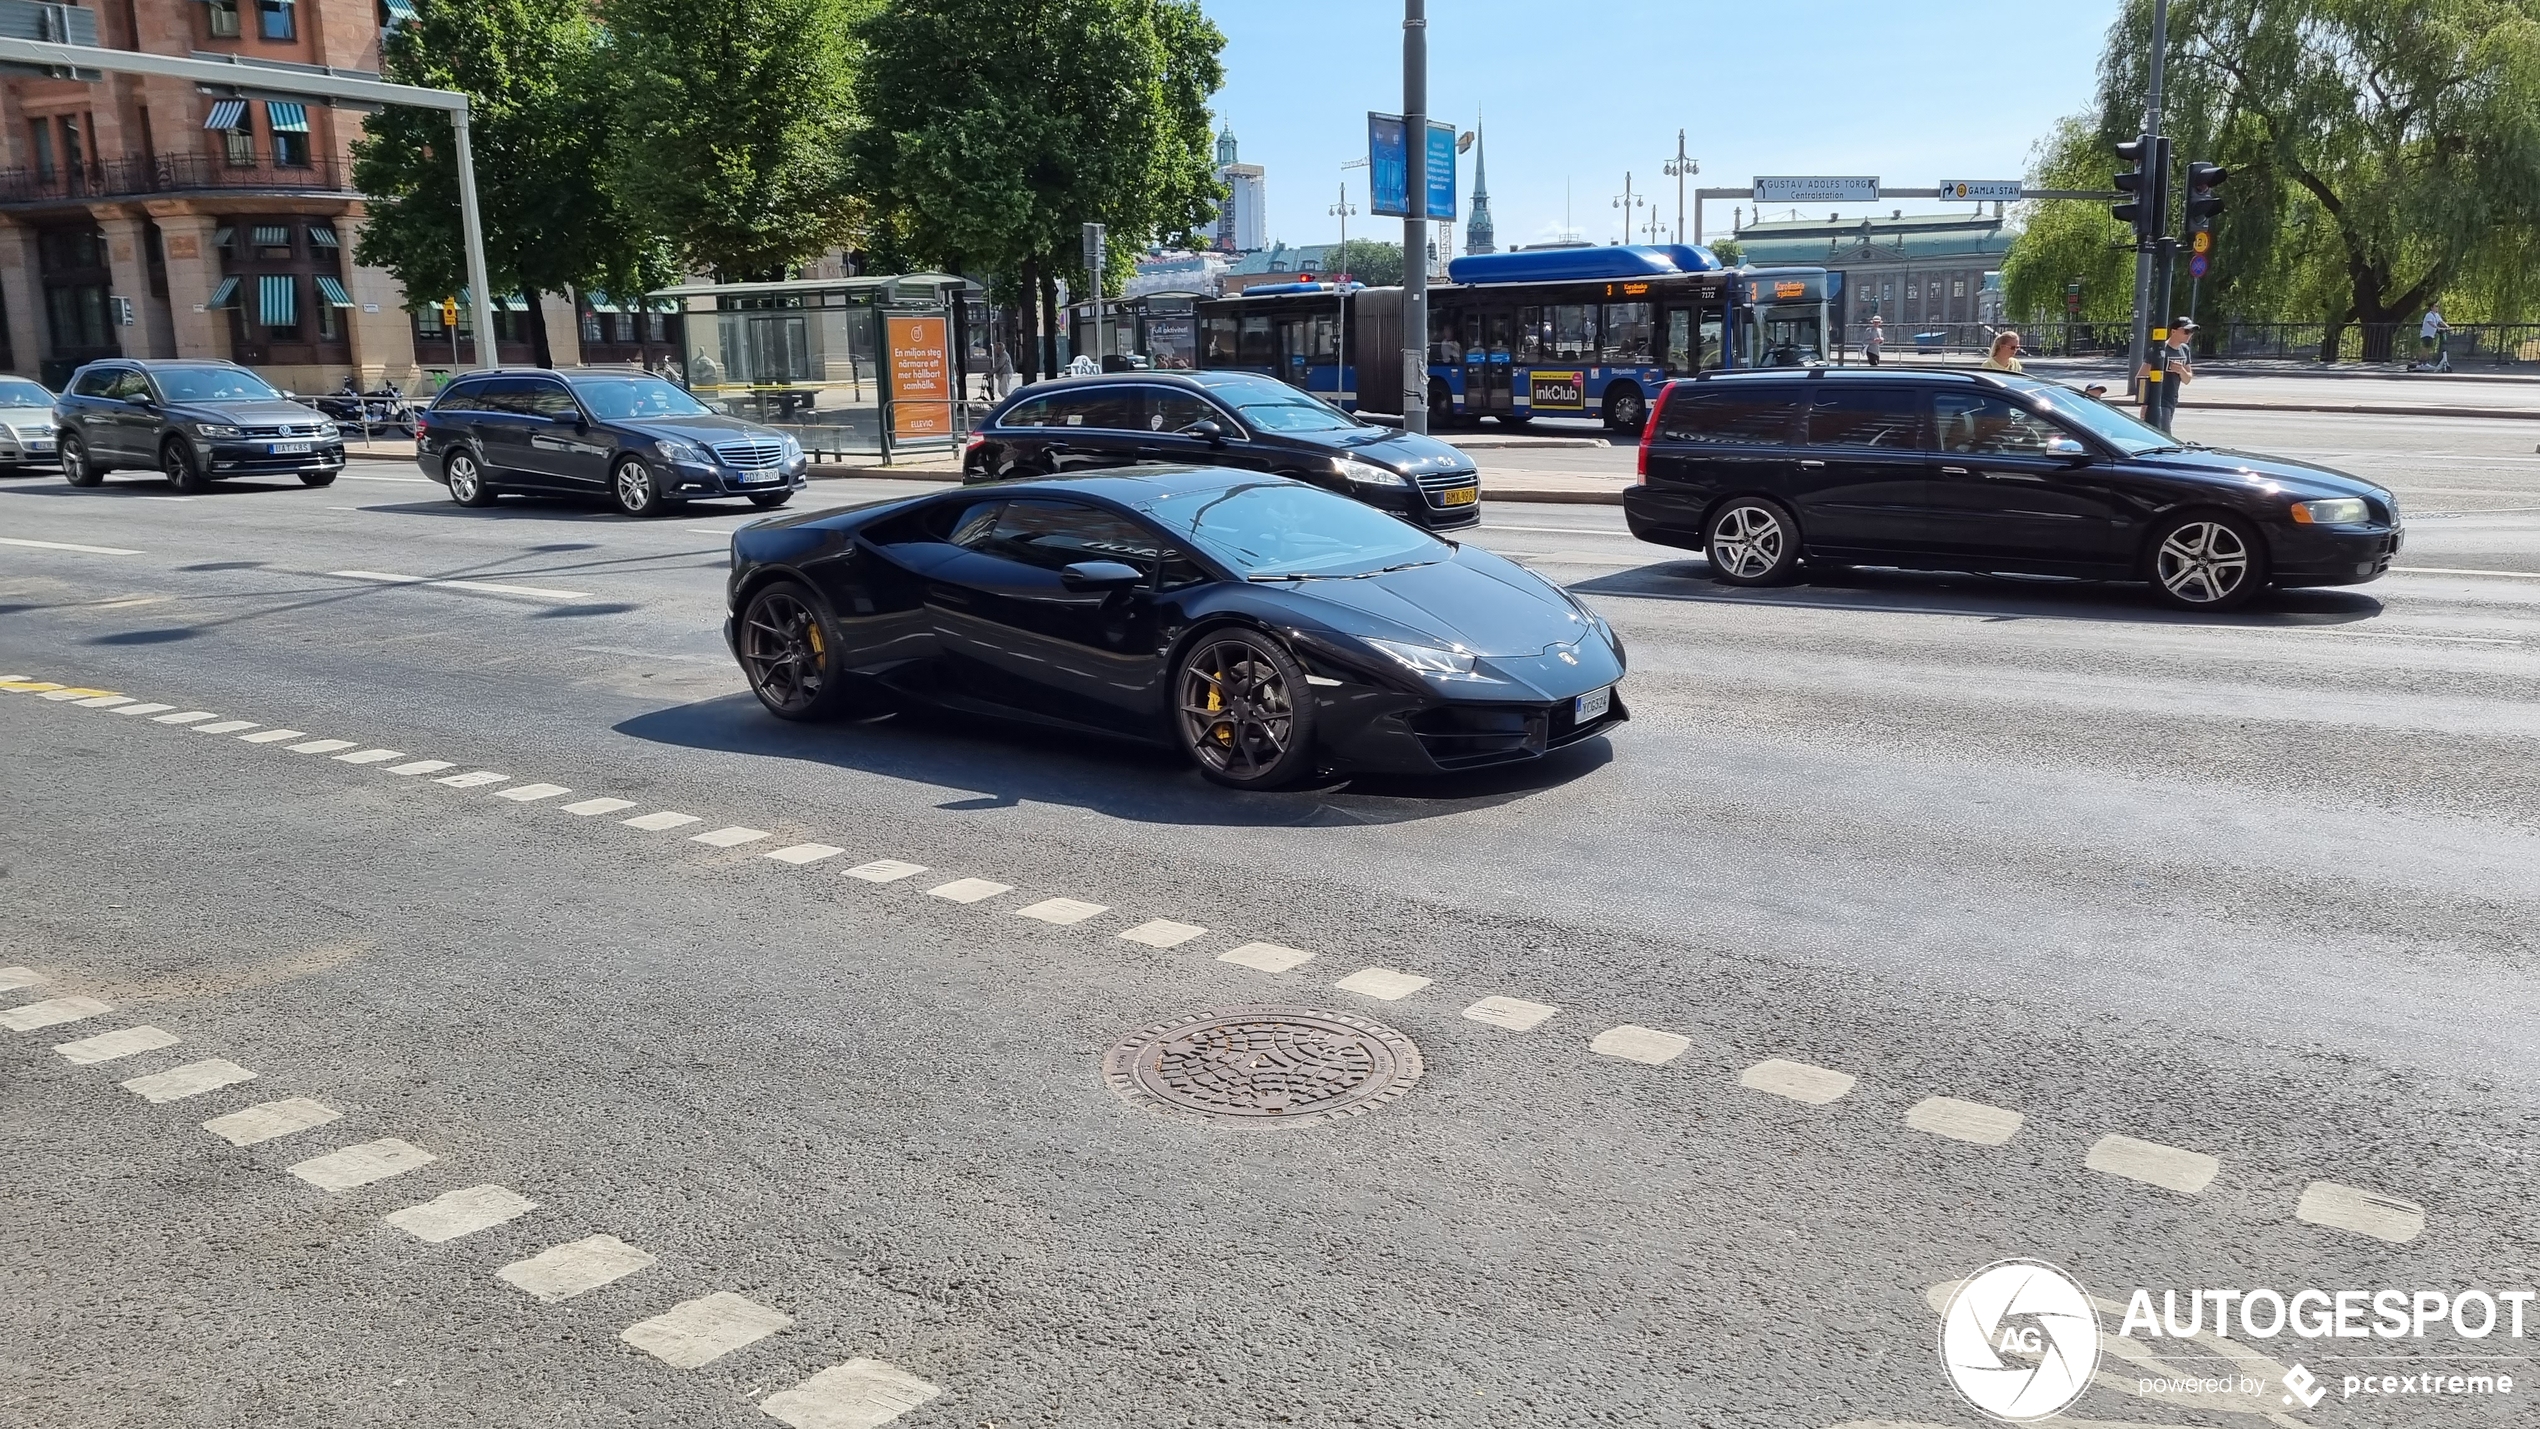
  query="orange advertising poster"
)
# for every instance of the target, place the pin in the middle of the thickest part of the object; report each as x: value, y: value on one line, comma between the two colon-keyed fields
x: 921, y: 375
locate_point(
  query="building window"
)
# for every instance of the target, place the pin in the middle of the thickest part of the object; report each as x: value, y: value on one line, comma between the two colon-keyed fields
x: 1911, y: 292
x: 290, y: 126
x: 224, y: 18
x: 39, y: 135
x: 238, y: 142
x: 1958, y: 289
x: 591, y: 326
x: 278, y: 19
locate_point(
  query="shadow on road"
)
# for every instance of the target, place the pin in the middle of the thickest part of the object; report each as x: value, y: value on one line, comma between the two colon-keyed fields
x: 1894, y: 592
x: 995, y: 765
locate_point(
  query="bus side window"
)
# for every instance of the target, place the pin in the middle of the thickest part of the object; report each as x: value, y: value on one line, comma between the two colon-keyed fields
x: 1442, y: 344
x: 1626, y: 334
x: 1680, y: 341
x: 1254, y: 346
x: 1530, y: 335
x: 1710, y: 356
x: 1219, y: 344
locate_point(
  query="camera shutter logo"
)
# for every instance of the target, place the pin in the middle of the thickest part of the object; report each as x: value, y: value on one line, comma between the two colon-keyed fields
x: 2020, y: 1340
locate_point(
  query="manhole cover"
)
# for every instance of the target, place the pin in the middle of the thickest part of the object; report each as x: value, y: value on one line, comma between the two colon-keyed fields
x: 1265, y: 1066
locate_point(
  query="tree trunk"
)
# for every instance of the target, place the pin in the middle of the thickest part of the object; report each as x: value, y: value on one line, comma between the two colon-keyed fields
x: 1027, y: 321
x: 1049, y: 318
x: 539, y: 352
x: 2331, y: 335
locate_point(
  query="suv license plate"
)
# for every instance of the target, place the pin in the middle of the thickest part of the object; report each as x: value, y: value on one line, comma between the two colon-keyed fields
x: 290, y: 448
x: 1592, y: 705
x: 1461, y: 496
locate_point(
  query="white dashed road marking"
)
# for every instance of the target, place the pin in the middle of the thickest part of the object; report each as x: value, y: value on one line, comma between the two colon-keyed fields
x: 1383, y: 984
x: 274, y: 736
x: 705, y: 1330
x: 2168, y: 1167
x: 369, y: 756
x: 588, y: 807
x: 183, y: 717
x: 729, y: 838
x: 1163, y: 933
x: 2352, y: 1208
x: 107, y: 1046
x: 475, y: 779
x: 51, y: 1012
x: 225, y: 726
x: 860, y: 1394
x: 1267, y: 957
x: 1514, y: 1013
x: 67, y: 546
x: 561, y: 1272
x: 321, y: 746
x: 655, y: 823
x: 885, y: 870
x: 1798, y: 1081
x: 800, y: 854
x: 1964, y: 1121
x: 258, y: 1124
x: 360, y: 1165
x: 143, y: 709
x: 1063, y: 911
x: 969, y: 890
x: 1640, y: 1044
x: 483, y: 587
x: 103, y: 702
x: 421, y: 766
x: 532, y: 793
x: 11, y: 979
x: 456, y: 1213
x: 191, y: 1080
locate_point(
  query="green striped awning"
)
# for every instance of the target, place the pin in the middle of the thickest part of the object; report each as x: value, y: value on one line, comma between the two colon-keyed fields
x: 323, y: 235
x: 287, y: 118
x: 400, y: 10
x: 333, y: 292
x: 222, y: 235
x: 277, y: 300
x: 224, y: 296
x: 272, y: 235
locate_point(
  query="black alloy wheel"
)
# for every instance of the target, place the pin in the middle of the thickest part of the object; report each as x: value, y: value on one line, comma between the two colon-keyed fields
x: 770, y: 500
x: 1626, y: 409
x: 176, y: 460
x: 2205, y: 560
x: 1244, y: 714
x: 468, y: 486
x: 1751, y: 541
x: 75, y: 464
x: 636, y: 492
x: 790, y: 654
x: 317, y: 478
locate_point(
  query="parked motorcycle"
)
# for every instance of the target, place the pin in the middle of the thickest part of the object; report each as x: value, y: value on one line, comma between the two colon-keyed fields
x: 372, y: 413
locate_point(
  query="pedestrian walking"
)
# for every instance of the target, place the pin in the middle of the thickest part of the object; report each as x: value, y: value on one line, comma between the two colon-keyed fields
x: 2005, y: 356
x: 2160, y: 399
x: 1875, y: 341
x: 2432, y: 355
x: 1004, y: 372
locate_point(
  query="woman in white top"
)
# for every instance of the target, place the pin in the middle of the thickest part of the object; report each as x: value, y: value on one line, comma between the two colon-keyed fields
x: 1874, y: 340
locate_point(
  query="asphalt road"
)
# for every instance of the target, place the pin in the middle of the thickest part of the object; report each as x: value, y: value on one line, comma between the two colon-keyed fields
x: 2259, y: 889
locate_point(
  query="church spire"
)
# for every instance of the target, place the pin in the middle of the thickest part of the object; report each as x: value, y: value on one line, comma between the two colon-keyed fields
x: 1478, y: 235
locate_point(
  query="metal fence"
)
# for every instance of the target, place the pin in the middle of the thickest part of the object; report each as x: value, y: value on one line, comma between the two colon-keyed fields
x: 2466, y: 345
x: 166, y: 173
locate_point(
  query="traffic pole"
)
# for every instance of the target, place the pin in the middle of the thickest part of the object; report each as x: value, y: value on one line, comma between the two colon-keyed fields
x: 2137, y: 350
x: 1415, y: 222
x: 472, y: 238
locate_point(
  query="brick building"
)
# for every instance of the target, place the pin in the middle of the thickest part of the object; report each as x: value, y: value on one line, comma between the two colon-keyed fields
x: 142, y: 217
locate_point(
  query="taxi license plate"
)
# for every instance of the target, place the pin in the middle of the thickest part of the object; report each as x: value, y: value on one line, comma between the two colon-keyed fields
x: 1593, y: 705
x: 1461, y: 496
x: 290, y: 449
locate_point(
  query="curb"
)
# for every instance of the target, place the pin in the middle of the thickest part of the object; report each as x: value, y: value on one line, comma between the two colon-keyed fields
x: 879, y: 473
x: 2367, y: 409
x: 1556, y: 498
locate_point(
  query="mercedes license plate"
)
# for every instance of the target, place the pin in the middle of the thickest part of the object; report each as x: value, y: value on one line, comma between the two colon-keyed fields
x: 290, y: 449
x: 756, y: 476
x: 1460, y: 496
x: 1593, y: 705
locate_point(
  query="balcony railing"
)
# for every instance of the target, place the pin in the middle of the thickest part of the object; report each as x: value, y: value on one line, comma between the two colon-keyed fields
x: 168, y: 173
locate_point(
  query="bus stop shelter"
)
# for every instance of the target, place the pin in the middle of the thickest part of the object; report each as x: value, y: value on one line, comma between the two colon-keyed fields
x: 847, y: 366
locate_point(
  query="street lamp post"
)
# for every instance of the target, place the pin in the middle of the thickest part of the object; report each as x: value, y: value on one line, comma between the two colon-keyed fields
x: 1678, y: 168
x: 1627, y: 202
x: 1415, y: 222
x: 1340, y: 340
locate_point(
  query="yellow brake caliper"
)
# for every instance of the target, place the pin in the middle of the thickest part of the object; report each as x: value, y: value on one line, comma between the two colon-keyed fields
x: 1224, y: 730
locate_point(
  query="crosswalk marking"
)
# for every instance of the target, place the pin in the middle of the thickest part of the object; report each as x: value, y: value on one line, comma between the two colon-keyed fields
x: 321, y: 746
x: 66, y: 546
x: 183, y: 717
x: 51, y: 1012
x: 143, y: 709
x: 1514, y: 1013
x: 476, y: 779
x: 860, y: 1394
x: 421, y: 766
x: 2352, y: 1208
x: 705, y: 1329
x: 225, y: 726
x: 369, y: 756
x: 969, y: 890
x: 1267, y: 957
x: 885, y: 870
x: 1972, y: 1122
x: 532, y: 793
x: 107, y: 1046
x: 588, y: 807
x: 1799, y: 1081
x: 1383, y: 984
x: 656, y: 823
x: 1640, y: 1044
x: 800, y: 854
x: 1066, y: 912
x: 274, y: 736
x: 561, y: 1272
x: 103, y: 702
x: 2168, y: 1167
x: 270, y: 1121
x: 360, y: 1165
x: 191, y: 1080
x: 453, y: 1214
x: 732, y: 837
x: 1163, y: 933
x: 11, y: 979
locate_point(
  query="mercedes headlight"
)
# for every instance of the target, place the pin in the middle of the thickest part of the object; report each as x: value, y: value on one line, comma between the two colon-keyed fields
x: 1427, y: 659
x: 216, y: 430
x: 679, y: 450
x: 1361, y: 473
x: 2342, y: 511
x: 793, y: 449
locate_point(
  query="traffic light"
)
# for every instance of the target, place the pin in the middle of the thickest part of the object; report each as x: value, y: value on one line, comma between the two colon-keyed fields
x: 2134, y: 181
x: 2202, y: 202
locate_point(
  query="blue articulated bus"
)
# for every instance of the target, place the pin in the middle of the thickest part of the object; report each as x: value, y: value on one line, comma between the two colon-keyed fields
x: 1570, y: 332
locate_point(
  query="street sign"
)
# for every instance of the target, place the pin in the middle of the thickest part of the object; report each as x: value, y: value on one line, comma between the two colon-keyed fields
x: 449, y: 312
x: 1094, y: 252
x: 1389, y: 169
x: 2196, y: 266
x: 1959, y: 190
x: 1808, y: 188
x: 2204, y: 241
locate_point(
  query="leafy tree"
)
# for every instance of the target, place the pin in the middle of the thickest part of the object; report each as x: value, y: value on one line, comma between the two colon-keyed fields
x: 991, y: 133
x: 732, y: 127
x: 1366, y: 260
x: 2383, y: 151
x: 1729, y: 251
x: 536, y: 72
x: 2064, y: 240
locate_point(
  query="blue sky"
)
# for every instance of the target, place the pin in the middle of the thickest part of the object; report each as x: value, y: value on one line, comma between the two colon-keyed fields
x: 1913, y: 91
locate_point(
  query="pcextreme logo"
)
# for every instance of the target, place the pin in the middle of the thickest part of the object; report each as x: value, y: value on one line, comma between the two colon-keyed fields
x: 2020, y: 1340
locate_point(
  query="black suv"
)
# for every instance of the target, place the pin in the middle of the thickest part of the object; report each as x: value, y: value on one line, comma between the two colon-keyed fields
x: 1236, y: 419
x: 1987, y: 472
x: 612, y: 433
x: 194, y: 422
